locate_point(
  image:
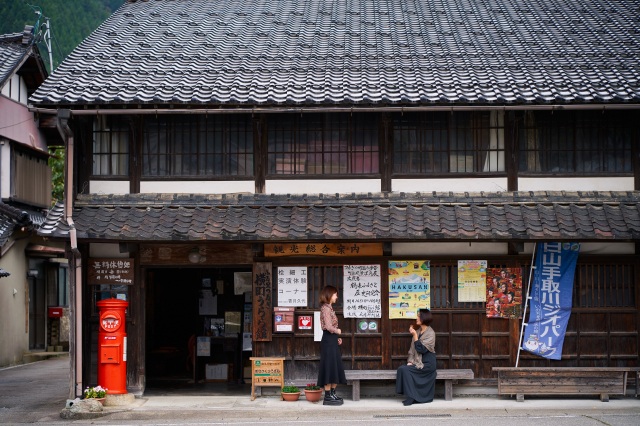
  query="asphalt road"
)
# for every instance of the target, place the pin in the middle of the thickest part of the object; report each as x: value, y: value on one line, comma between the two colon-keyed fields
x: 37, y: 392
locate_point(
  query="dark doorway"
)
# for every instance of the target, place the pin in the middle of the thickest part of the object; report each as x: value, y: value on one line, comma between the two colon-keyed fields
x: 188, y: 311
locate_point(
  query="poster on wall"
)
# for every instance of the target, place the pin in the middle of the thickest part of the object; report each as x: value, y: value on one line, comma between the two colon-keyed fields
x: 504, y: 293
x: 472, y: 280
x: 409, y: 287
x: 362, y: 291
x: 292, y: 286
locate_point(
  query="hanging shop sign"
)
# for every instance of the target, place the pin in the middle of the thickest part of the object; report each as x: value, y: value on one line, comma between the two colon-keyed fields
x: 409, y: 287
x: 113, y: 271
x: 362, y: 291
x: 323, y: 249
x: 551, y: 299
x: 292, y: 286
x: 472, y: 279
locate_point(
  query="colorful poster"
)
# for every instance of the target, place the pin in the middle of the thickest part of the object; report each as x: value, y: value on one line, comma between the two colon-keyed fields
x: 409, y: 287
x: 472, y: 279
x: 504, y: 293
x: 362, y: 290
x: 292, y: 286
x: 551, y: 299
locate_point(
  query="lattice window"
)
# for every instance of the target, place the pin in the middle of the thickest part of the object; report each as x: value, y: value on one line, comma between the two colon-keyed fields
x: 577, y: 142
x: 604, y: 286
x: 198, y: 145
x: 322, y: 144
x: 110, y: 146
x: 443, y: 142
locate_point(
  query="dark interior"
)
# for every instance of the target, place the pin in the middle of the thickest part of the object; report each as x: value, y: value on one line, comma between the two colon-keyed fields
x: 174, y: 322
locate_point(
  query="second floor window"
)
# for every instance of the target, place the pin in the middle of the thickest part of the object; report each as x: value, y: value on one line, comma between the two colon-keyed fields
x: 445, y: 142
x: 110, y: 146
x: 198, y: 146
x: 577, y: 142
x: 322, y: 144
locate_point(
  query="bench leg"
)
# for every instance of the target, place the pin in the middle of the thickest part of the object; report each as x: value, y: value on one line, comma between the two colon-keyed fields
x: 448, y: 390
x: 520, y: 397
x: 355, y: 390
x: 604, y: 397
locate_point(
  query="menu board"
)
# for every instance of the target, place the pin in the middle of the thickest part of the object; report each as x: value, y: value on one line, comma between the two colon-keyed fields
x: 362, y: 291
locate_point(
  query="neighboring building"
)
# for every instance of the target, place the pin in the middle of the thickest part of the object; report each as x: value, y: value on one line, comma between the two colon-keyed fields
x: 36, y: 276
x: 211, y: 141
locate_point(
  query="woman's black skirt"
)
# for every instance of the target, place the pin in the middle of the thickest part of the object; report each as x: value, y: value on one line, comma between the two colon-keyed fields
x: 331, y: 370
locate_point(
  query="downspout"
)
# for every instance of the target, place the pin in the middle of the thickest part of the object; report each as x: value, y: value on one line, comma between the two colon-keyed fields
x: 76, y: 259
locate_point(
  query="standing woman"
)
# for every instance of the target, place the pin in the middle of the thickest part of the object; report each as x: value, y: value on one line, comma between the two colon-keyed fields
x: 331, y: 371
x: 417, y: 379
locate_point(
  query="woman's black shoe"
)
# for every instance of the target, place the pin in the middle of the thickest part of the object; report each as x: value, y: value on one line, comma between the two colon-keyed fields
x: 331, y: 400
x: 333, y: 393
x: 408, y: 402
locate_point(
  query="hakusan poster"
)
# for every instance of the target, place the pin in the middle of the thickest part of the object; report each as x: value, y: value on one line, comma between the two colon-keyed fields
x: 409, y: 287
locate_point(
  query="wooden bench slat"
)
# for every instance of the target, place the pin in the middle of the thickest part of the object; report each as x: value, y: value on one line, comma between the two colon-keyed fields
x: 448, y: 375
x: 601, y: 381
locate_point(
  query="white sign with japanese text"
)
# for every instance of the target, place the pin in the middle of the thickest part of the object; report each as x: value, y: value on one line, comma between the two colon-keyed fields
x: 292, y: 286
x: 362, y: 291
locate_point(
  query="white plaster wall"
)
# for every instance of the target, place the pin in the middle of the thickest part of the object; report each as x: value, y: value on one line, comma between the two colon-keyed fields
x: 5, y: 164
x: 14, y: 337
x: 109, y: 187
x: 198, y: 187
x: 329, y: 186
x: 445, y: 185
x: 576, y: 184
x: 447, y: 249
x: 603, y: 248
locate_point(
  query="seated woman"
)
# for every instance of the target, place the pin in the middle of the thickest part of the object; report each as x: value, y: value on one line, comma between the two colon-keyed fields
x: 417, y: 379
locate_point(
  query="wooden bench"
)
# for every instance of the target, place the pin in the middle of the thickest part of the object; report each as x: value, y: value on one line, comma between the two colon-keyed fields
x: 449, y: 376
x: 603, y: 381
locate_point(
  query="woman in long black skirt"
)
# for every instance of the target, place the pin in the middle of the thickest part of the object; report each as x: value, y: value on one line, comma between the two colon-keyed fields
x: 417, y: 379
x: 331, y: 371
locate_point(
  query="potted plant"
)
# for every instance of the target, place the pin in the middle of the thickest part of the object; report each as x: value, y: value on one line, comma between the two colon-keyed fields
x: 312, y: 392
x: 290, y: 393
x: 96, y: 392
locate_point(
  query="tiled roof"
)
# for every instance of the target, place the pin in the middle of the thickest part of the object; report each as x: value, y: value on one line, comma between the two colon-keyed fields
x: 363, y: 217
x: 357, y: 52
x: 10, y: 219
x: 12, y: 54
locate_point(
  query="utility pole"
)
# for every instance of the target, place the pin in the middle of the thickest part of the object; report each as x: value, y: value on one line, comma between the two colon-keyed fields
x: 44, y: 34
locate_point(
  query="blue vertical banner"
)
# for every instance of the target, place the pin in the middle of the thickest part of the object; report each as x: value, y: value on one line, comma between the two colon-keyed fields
x: 551, y: 299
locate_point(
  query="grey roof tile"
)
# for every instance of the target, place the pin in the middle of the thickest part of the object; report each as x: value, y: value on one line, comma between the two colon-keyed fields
x: 360, y: 52
x: 384, y: 216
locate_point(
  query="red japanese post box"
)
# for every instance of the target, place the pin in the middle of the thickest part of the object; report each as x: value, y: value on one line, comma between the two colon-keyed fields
x: 112, y: 346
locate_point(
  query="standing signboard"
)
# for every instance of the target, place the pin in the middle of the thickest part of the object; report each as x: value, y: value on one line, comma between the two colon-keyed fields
x: 266, y: 372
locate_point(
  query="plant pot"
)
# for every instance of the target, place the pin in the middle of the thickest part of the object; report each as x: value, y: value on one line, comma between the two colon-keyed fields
x: 313, y: 395
x: 100, y: 400
x: 293, y: 396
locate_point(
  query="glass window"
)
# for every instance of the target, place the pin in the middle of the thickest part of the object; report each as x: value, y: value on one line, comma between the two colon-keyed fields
x: 110, y: 146
x: 444, y: 142
x: 577, y: 142
x: 322, y: 144
x: 197, y: 145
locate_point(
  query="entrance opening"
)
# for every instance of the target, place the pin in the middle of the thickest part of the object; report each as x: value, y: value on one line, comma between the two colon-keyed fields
x: 197, y: 320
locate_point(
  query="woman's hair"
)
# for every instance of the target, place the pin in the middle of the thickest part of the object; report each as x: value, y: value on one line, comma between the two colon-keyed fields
x: 326, y: 293
x: 425, y: 316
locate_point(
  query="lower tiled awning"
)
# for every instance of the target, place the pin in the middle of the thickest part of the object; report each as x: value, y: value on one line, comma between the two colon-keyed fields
x: 513, y: 216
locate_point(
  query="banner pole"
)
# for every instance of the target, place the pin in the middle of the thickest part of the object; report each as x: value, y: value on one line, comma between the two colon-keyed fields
x: 526, y: 301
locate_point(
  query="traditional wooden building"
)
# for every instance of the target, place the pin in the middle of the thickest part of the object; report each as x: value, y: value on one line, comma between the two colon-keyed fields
x: 214, y: 145
x: 33, y: 269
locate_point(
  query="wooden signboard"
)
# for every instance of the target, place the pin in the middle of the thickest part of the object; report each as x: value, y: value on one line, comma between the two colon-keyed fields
x: 323, y: 249
x: 266, y: 372
x: 114, y: 271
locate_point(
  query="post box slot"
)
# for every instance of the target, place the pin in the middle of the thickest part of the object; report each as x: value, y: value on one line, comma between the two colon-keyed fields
x: 110, y: 354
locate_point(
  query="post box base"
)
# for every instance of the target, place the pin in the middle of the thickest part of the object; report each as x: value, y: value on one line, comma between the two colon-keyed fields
x: 114, y: 400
